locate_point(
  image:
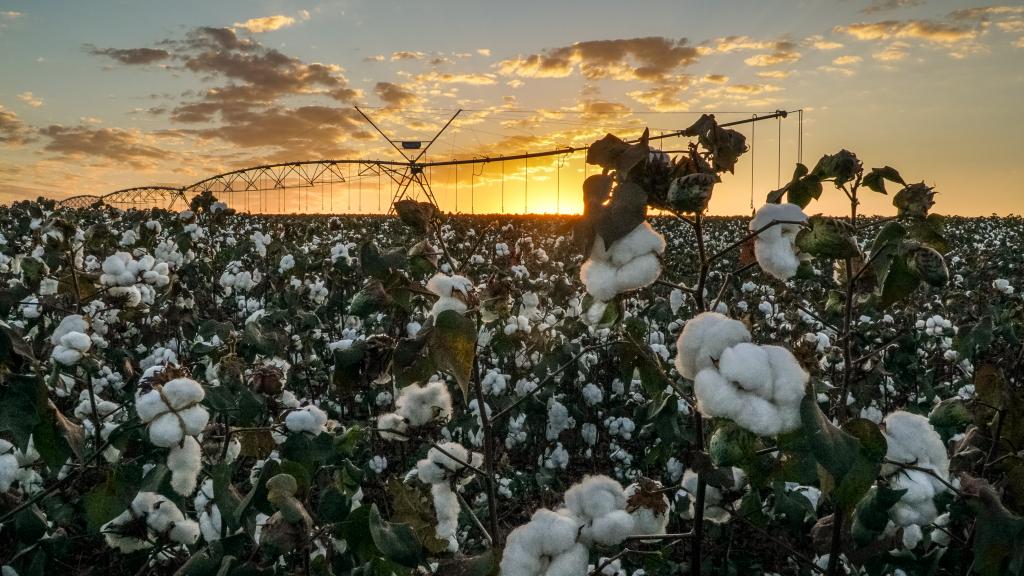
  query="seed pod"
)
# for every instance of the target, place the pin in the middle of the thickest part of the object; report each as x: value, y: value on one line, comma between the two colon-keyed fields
x: 928, y: 264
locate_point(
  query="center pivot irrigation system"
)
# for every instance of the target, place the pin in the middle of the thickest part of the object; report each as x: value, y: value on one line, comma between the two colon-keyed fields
x: 290, y: 187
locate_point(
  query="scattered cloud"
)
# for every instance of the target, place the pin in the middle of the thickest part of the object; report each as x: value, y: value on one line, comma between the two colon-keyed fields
x: 112, y: 144
x: 774, y: 74
x: 407, y: 55
x: 986, y: 12
x: 783, y: 52
x: 130, y: 56
x: 13, y: 132
x: 847, y: 60
x: 483, y: 51
x: 651, y: 58
x: 10, y: 15
x: 892, y: 53
x: 394, y: 95
x: 470, y: 78
x: 837, y: 70
x: 30, y: 99
x: 665, y: 98
x: 716, y: 78
x: 267, y: 23
x: 927, y: 30
x: 819, y: 42
x: 1020, y: 42
x: 375, y: 58
x: 886, y: 5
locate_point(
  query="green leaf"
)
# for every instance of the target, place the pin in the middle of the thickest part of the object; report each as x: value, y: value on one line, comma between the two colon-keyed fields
x: 899, y: 282
x: 397, y: 542
x: 453, y: 347
x: 800, y: 190
x: 626, y: 210
x: 872, y: 513
x: 974, y: 336
x: 225, y: 495
x: 18, y: 410
x: 928, y: 264
x: 998, y: 535
x: 851, y: 456
x: 828, y: 238
x: 875, y: 180
x: 841, y: 167
x: 371, y: 299
x: 108, y: 499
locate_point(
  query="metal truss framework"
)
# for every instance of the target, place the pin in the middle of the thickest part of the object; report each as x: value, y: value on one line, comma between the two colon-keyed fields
x: 313, y: 175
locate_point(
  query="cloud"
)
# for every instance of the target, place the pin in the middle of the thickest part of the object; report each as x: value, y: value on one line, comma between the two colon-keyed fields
x: 985, y: 12
x: 783, y: 52
x: 130, y: 56
x: 10, y: 15
x: 395, y: 95
x: 774, y: 74
x: 892, y: 53
x: 305, y: 132
x: 1019, y: 43
x: 886, y: 5
x: 483, y: 51
x: 473, y: 79
x: 113, y: 144
x: 30, y: 99
x: 835, y: 70
x: 751, y: 89
x: 375, y: 58
x: 651, y: 58
x: 266, y: 23
x: 13, y: 132
x: 728, y: 44
x: 847, y: 60
x: 407, y: 55
x: 818, y: 42
x: 665, y: 98
x: 927, y: 30
x: 716, y: 78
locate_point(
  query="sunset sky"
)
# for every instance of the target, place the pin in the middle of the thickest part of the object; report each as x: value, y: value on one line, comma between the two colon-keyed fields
x: 100, y: 95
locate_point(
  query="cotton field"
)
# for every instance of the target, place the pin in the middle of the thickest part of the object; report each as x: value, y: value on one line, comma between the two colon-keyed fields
x: 642, y: 390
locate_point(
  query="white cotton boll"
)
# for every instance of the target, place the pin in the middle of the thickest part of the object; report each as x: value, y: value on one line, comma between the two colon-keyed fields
x: 392, y: 421
x: 76, y: 341
x: 446, y: 505
x: 184, y: 463
x: 1003, y: 285
x: 422, y: 404
x: 712, y: 500
x: 194, y: 419
x: 589, y: 433
x: 747, y: 365
x: 8, y: 465
x: 911, y: 439
x: 675, y: 300
x: 307, y: 419
x: 182, y: 392
x: 551, y: 533
x: 646, y: 520
x: 287, y: 263
x: 638, y: 273
x: 917, y: 505
x: 592, y: 394
x: 640, y: 241
x: 70, y: 323
x: 572, y: 562
x: 66, y: 356
x: 912, y: 536
x: 185, y: 532
x: 703, y: 340
x: 130, y: 295
x: 595, y: 496
x: 149, y: 405
x: 599, y: 278
x: 775, y: 248
x: 611, y: 529
x: 165, y: 431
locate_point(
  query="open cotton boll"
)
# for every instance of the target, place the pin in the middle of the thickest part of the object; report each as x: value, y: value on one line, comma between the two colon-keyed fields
x: 758, y: 387
x: 595, y: 496
x: 572, y: 562
x: 530, y: 548
x: 182, y: 392
x: 446, y: 505
x: 166, y: 431
x: 713, y: 510
x: 452, y: 292
x: 184, y: 462
x: 610, y: 529
x: 639, y: 241
x: 630, y: 263
x: 647, y: 520
x: 437, y: 466
x: 306, y: 419
x: 912, y: 439
x: 703, y: 339
x: 392, y: 421
x: 422, y: 404
x: 69, y: 324
x: 917, y: 505
x: 775, y: 247
x: 8, y: 465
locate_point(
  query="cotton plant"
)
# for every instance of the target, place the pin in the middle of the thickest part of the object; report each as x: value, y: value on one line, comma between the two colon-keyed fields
x: 439, y: 469
x: 162, y: 521
x: 174, y: 417
x: 453, y: 292
x: 912, y: 440
x: 629, y: 263
x: 70, y: 340
x: 416, y: 406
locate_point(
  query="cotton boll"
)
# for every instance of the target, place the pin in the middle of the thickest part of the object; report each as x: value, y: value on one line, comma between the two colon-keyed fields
x: 307, y: 419
x: 194, y: 419
x: 595, y: 496
x: 185, y: 532
x: 66, y: 356
x: 638, y: 273
x: 165, y: 431
x: 70, y: 323
x: 182, y: 392
x: 611, y: 529
x: 646, y: 520
x: 392, y: 421
x: 422, y: 404
x: 150, y: 405
x: 747, y: 365
x: 912, y: 536
x: 775, y: 247
x: 640, y: 241
x: 703, y: 340
x: 184, y: 463
x: 446, y: 504
x: 917, y: 505
x: 572, y: 562
x: 599, y: 278
x: 911, y: 439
